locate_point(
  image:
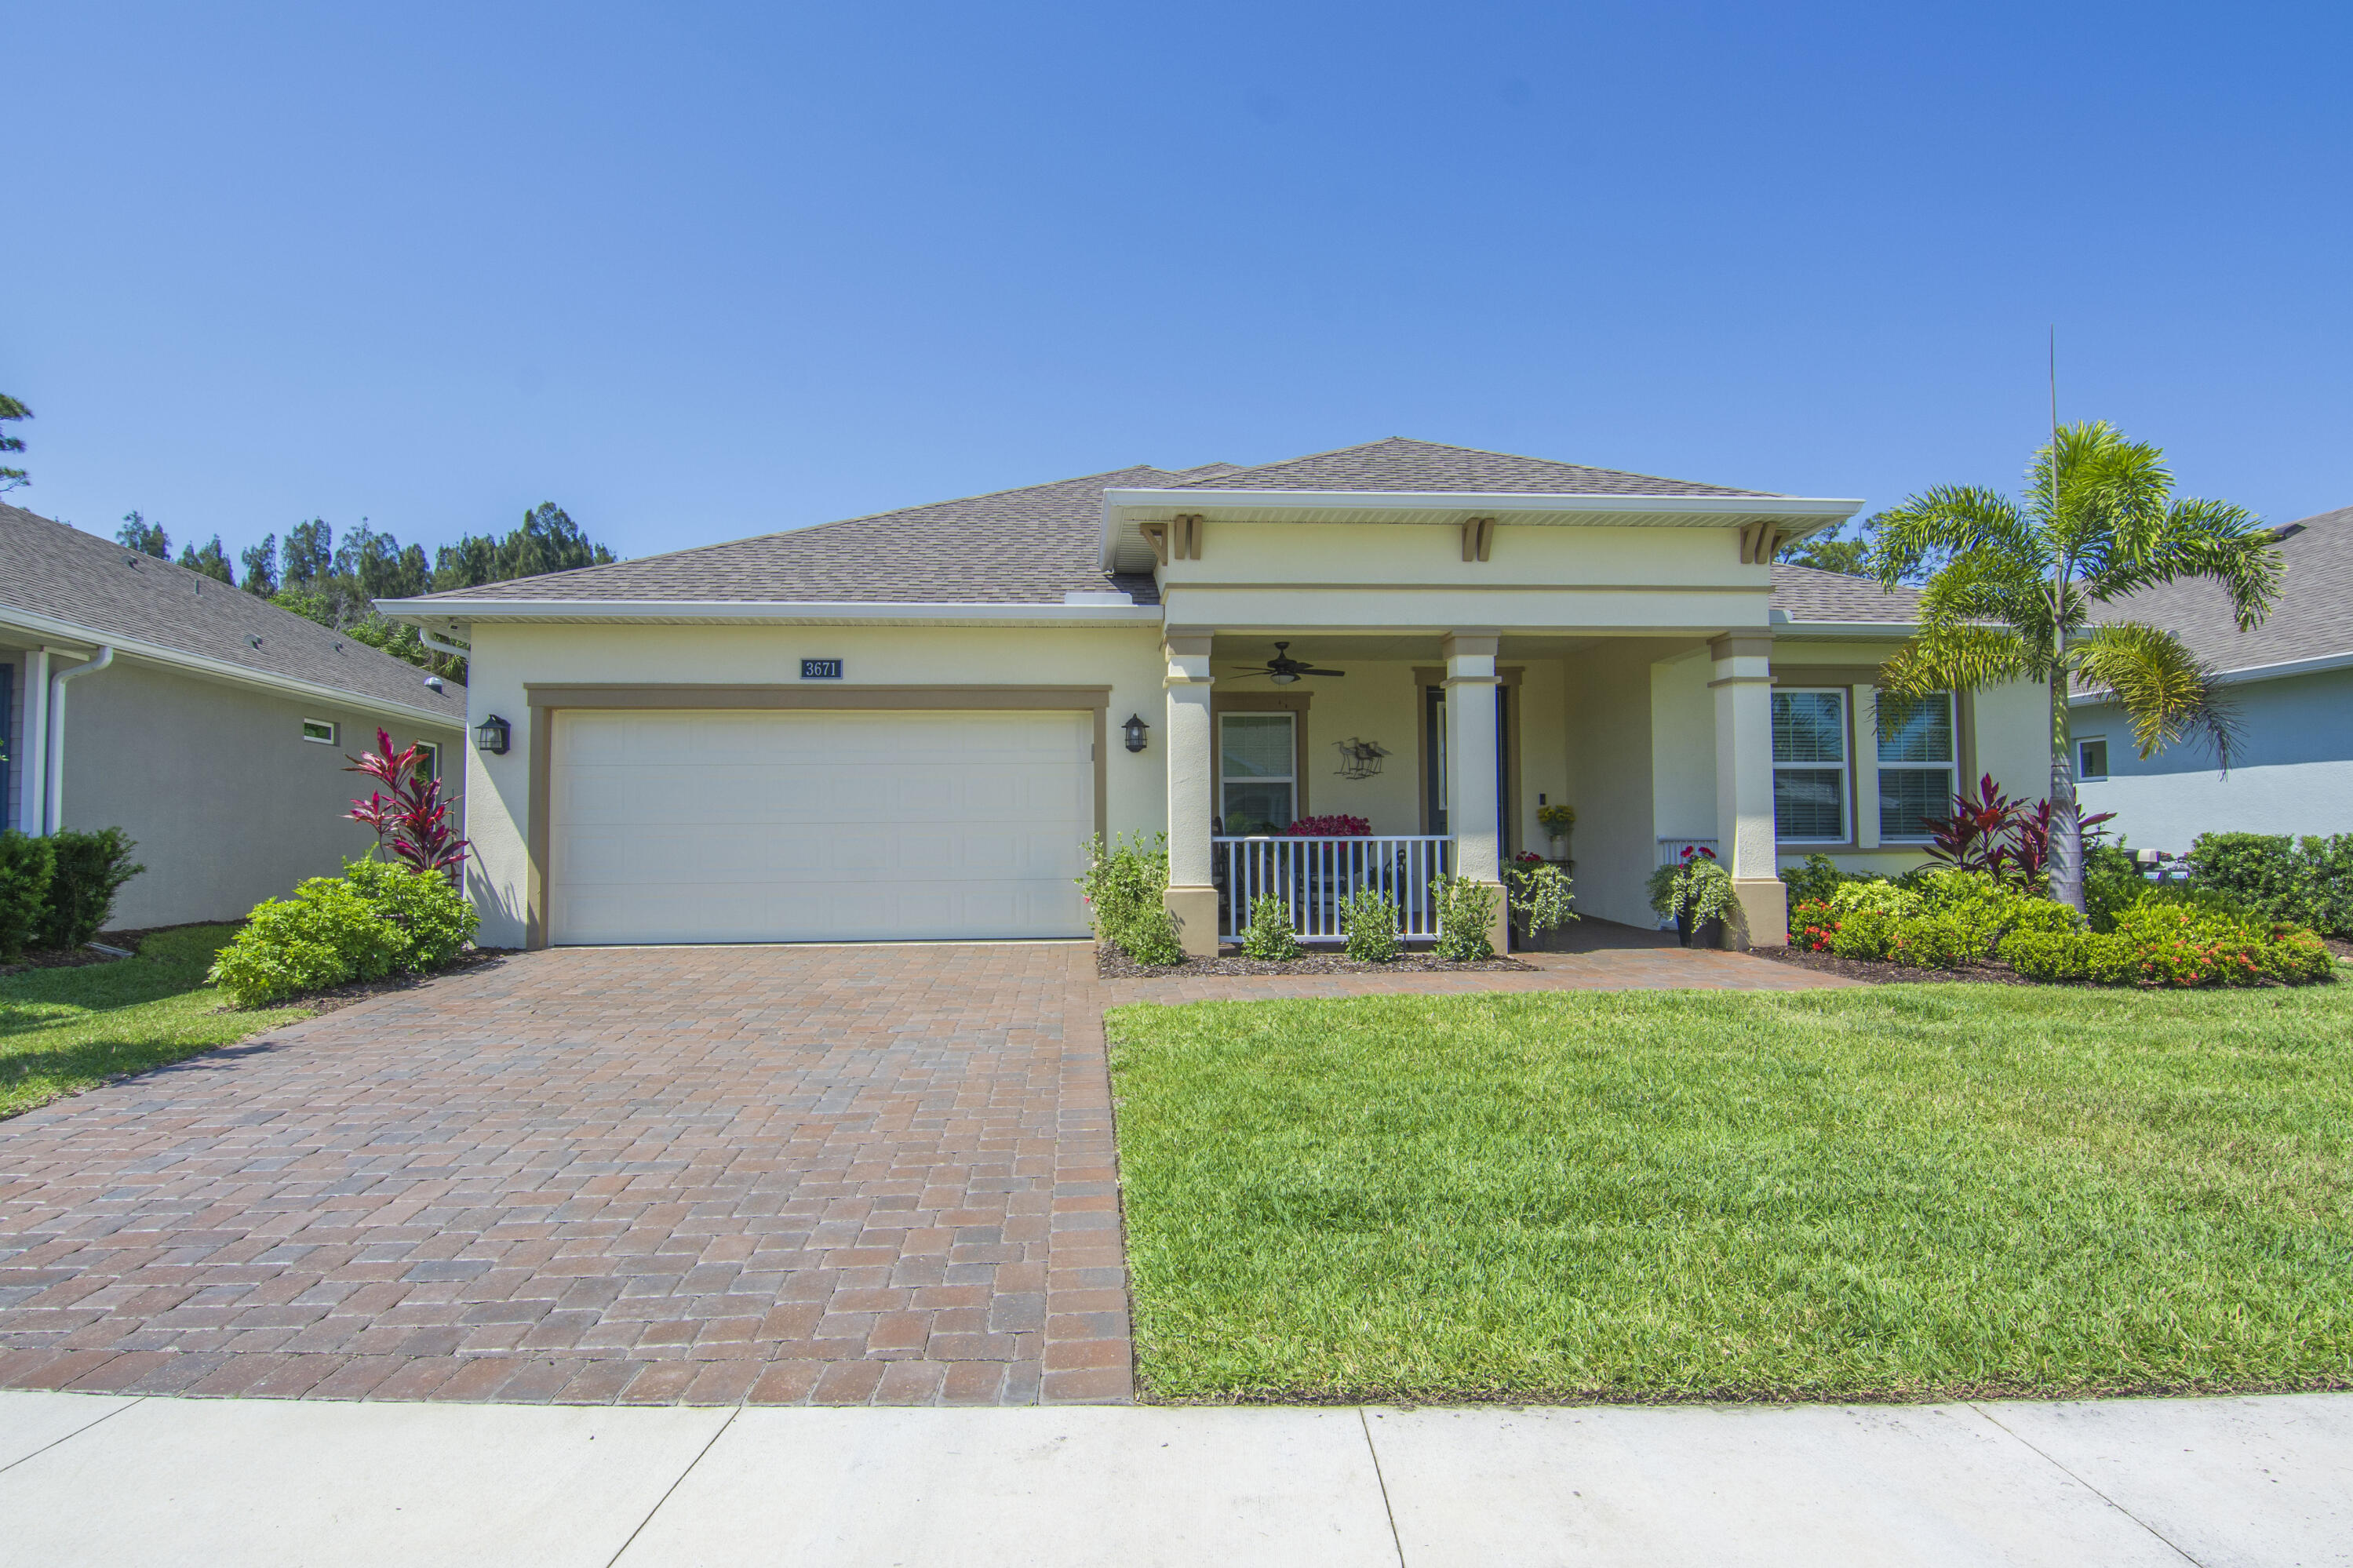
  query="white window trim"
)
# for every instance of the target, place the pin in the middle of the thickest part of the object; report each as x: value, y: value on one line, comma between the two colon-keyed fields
x: 1291, y: 778
x: 1951, y: 768
x: 333, y: 737
x: 2082, y: 774
x: 1845, y: 767
x: 432, y: 749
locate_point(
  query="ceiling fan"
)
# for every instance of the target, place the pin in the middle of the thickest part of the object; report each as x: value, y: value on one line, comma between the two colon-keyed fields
x: 1283, y: 670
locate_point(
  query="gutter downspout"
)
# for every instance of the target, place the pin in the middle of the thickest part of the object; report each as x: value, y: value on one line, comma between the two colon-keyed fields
x: 33, y: 728
x: 439, y: 646
x: 53, y: 798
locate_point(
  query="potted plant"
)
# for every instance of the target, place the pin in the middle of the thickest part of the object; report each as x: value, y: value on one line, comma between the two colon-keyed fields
x: 1556, y: 820
x: 1537, y: 892
x: 1693, y: 892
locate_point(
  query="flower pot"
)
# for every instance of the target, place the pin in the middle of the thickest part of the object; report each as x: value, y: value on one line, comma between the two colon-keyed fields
x: 1708, y: 932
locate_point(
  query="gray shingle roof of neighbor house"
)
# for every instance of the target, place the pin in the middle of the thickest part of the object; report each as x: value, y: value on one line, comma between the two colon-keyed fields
x: 2314, y: 617
x: 1032, y: 545
x: 155, y: 609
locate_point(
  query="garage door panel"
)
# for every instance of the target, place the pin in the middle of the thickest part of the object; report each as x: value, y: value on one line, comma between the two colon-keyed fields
x: 715, y: 826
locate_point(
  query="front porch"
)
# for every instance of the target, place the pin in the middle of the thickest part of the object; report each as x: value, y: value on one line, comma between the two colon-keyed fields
x: 1435, y: 753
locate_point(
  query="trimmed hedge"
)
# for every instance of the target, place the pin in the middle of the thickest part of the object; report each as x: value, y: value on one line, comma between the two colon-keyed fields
x: 59, y: 891
x: 1934, y: 920
x: 2301, y: 881
x: 362, y: 925
x: 2176, y: 937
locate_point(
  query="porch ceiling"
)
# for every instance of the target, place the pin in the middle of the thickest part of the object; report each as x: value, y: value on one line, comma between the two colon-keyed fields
x: 1329, y: 649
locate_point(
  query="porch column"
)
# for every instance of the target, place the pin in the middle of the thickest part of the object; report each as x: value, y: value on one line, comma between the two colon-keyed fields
x: 1472, y: 817
x: 1191, y: 897
x: 1744, y: 787
x: 32, y: 746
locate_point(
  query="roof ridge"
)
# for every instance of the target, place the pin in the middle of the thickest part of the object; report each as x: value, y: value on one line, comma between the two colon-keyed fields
x: 1481, y: 452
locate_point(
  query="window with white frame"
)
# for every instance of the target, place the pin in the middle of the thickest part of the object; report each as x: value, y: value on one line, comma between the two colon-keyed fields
x: 2092, y: 757
x: 428, y: 759
x: 1916, y: 765
x: 1258, y: 758
x: 322, y: 730
x: 1809, y: 767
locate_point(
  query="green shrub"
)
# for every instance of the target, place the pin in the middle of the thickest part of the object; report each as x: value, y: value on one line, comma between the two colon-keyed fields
x: 1697, y: 887
x: 1818, y: 878
x: 2306, y: 882
x: 1268, y: 935
x: 1369, y: 920
x: 1464, y: 908
x: 1538, y: 893
x: 1942, y: 919
x: 435, y: 915
x: 1124, y: 886
x: 90, y: 869
x: 325, y: 934
x: 25, y: 864
x: 2179, y: 937
x: 2113, y: 882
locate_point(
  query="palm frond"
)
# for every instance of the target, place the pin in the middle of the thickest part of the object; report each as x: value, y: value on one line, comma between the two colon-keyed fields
x: 2103, y: 497
x: 1949, y: 521
x: 2165, y: 690
x: 1989, y: 586
x: 2227, y: 545
x: 1960, y: 659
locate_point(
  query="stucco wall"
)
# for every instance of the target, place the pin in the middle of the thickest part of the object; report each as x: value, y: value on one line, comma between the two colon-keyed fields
x: 230, y: 806
x: 2291, y: 773
x: 507, y: 658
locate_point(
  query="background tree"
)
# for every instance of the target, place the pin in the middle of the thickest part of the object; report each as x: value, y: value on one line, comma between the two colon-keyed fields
x: 2012, y: 589
x: 308, y: 554
x: 261, y: 562
x: 210, y: 559
x: 12, y: 409
x: 1834, y: 549
x: 548, y: 541
x: 145, y: 537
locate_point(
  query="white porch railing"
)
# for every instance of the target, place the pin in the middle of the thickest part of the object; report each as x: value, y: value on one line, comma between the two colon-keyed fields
x: 1312, y: 876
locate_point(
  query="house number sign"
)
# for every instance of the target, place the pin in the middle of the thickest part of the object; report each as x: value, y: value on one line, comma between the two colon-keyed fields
x: 820, y: 669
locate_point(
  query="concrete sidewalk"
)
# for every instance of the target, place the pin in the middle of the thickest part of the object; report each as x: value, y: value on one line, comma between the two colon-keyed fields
x: 89, y: 1478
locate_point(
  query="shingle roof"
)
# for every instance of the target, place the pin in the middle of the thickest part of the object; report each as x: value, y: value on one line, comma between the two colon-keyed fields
x: 1032, y: 545
x: 2310, y: 621
x: 49, y: 569
x: 1028, y: 546
x: 1397, y: 464
x: 1808, y: 594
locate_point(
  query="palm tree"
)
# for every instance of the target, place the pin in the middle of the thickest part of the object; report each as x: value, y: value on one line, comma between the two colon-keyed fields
x: 2014, y: 587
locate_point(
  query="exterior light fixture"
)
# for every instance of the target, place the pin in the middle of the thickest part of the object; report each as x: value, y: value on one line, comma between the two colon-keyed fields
x: 1133, y: 729
x: 491, y: 735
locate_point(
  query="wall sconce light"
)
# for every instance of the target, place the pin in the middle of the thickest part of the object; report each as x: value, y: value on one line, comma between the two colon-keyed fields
x: 491, y: 735
x: 1133, y: 729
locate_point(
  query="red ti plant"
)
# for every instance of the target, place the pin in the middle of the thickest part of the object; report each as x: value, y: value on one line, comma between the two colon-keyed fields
x: 1991, y: 832
x: 408, y: 814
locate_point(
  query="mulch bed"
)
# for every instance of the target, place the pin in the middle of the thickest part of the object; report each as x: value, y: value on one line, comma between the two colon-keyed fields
x: 359, y: 991
x: 1111, y: 963
x: 1879, y: 971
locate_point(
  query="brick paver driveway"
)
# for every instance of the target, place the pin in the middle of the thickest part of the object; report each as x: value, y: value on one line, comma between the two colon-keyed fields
x: 710, y: 1174
x: 840, y: 1175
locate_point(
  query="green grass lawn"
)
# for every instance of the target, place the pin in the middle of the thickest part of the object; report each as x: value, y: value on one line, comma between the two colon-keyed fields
x: 64, y: 1029
x: 1908, y: 1191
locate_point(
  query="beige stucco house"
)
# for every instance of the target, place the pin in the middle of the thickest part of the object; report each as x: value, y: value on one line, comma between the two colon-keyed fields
x: 908, y: 725
x: 210, y: 725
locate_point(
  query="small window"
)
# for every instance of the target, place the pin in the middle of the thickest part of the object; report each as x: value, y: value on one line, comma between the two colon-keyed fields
x: 322, y: 730
x: 429, y: 761
x: 1915, y: 765
x: 2092, y: 758
x: 1809, y: 780
x: 1257, y: 756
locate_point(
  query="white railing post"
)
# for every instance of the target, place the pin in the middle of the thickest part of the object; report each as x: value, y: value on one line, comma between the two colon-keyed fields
x: 1313, y: 875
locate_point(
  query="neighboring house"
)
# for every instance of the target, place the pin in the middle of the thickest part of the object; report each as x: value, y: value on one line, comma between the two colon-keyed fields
x: 906, y: 725
x: 2292, y: 680
x: 207, y: 723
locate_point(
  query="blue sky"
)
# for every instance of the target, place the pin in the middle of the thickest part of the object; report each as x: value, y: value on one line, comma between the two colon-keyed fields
x: 700, y: 271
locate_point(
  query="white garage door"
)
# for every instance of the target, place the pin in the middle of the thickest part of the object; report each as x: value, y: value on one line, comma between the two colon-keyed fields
x: 722, y: 825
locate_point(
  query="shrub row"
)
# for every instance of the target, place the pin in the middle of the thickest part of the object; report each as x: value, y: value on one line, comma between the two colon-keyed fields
x: 2301, y: 881
x: 1932, y: 919
x: 1123, y: 885
x: 2175, y: 937
x: 373, y: 921
x: 59, y: 891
